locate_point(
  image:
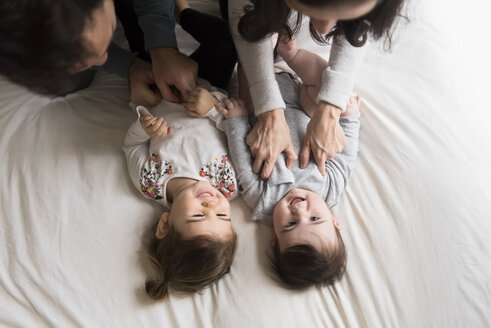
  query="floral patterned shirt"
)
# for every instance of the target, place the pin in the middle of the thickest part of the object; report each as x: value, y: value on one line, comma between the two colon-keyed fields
x: 195, y: 149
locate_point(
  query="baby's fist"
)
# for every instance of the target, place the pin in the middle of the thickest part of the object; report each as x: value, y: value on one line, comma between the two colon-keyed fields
x: 155, y: 127
x: 199, y: 102
x: 233, y: 108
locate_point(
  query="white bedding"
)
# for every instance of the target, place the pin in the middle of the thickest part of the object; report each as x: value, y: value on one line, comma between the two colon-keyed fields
x: 416, y: 216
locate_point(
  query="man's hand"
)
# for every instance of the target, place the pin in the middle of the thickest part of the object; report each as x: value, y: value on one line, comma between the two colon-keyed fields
x: 155, y: 127
x: 175, y: 73
x: 324, y: 137
x: 233, y: 108
x: 199, y: 102
x: 142, y: 84
x: 268, y: 138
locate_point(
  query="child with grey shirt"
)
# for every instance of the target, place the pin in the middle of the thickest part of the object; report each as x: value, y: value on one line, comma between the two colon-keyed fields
x: 308, y: 248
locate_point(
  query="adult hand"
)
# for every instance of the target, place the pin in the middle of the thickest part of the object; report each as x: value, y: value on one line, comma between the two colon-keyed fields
x: 324, y: 137
x: 173, y: 72
x: 142, y: 84
x: 268, y: 138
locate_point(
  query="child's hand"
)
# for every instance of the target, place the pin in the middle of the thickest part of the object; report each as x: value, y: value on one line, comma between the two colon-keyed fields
x: 233, y: 108
x: 155, y: 127
x: 353, y: 106
x: 199, y: 102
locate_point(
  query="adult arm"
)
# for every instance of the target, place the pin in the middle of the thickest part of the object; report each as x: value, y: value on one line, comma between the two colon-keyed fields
x: 324, y: 137
x: 170, y: 67
x: 270, y: 135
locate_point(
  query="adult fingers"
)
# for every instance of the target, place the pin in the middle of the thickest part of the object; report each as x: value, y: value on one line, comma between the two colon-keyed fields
x: 258, y: 164
x: 185, y: 88
x: 145, y: 96
x: 291, y: 155
x: 320, y: 159
x: 268, y: 166
x: 167, y: 93
x: 304, y: 155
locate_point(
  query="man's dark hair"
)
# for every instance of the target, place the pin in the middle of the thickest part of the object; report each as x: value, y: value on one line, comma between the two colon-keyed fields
x: 264, y: 17
x: 40, y: 41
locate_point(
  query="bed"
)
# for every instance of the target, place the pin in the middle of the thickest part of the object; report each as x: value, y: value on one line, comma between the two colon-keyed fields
x: 416, y: 216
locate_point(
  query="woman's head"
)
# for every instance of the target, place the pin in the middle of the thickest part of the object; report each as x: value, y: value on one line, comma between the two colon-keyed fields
x: 353, y: 19
x: 43, y: 43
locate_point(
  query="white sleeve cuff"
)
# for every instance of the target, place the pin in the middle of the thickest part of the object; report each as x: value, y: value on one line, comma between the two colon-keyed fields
x: 336, y: 88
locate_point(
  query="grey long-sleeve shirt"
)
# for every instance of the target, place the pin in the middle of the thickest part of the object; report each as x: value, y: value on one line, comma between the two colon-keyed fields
x: 262, y: 196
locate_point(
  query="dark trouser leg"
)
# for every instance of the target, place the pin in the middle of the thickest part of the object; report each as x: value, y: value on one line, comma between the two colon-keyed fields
x: 132, y: 31
x: 216, y: 54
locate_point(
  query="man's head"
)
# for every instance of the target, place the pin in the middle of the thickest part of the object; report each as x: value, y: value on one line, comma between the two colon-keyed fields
x: 308, y: 248
x: 43, y: 43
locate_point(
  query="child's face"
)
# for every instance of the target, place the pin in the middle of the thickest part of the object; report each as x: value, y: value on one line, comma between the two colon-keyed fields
x: 200, y: 209
x: 303, y: 217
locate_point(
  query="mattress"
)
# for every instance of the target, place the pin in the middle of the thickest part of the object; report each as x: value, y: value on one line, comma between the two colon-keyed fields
x: 416, y: 216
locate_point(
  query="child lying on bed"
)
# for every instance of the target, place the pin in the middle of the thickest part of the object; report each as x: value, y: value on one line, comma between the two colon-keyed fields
x: 308, y: 248
x: 181, y: 162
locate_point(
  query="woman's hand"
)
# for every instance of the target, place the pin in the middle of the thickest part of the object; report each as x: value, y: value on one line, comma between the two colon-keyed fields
x: 324, y: 137
x: 268, y: 138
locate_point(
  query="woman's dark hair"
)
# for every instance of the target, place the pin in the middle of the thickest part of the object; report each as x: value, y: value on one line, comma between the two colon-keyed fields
x: 188, y: 265
x: 301, y: 266
x: 40, y: 40
x: 259, y: 21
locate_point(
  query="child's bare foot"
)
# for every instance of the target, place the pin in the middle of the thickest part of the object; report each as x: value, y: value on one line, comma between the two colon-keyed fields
x: 353, y: 106
x: 179, y: 6
x: 287, y: 48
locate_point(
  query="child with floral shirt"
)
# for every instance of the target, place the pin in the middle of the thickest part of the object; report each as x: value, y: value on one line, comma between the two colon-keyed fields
x: 182, y: 163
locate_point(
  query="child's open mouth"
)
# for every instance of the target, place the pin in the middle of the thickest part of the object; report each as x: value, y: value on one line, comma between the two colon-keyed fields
x: 204, y: 194
x: 296, y: 199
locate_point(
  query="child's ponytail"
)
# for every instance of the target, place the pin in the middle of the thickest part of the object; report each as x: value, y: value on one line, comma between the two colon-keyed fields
x: 157, y: 289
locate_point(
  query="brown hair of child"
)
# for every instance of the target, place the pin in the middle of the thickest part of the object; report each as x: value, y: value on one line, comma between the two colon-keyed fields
x: 190, y: 265
x: 302, y: 265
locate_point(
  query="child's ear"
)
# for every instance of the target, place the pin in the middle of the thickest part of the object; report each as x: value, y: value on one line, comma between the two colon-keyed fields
x: 336, y: 223
x: 163, y: 226
x: 273, y: 241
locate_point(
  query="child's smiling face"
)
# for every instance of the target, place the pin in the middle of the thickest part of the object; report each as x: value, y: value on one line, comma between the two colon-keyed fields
x: 303, y: 217
x: 198, y: 209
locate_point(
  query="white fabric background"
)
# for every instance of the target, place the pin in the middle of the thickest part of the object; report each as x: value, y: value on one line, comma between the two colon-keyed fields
x: 416, y: 216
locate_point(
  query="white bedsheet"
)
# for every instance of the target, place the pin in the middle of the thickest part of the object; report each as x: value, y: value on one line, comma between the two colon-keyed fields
x: 416, y: 216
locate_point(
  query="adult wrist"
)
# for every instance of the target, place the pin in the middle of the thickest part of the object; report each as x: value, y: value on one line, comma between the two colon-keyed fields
x: 272, y: 115
x: 330, y: 110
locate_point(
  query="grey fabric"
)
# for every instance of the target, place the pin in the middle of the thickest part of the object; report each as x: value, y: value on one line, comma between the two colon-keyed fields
x: 262, y: 196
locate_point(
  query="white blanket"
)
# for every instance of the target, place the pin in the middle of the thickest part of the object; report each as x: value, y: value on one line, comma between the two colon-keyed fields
x: 416, y: 216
